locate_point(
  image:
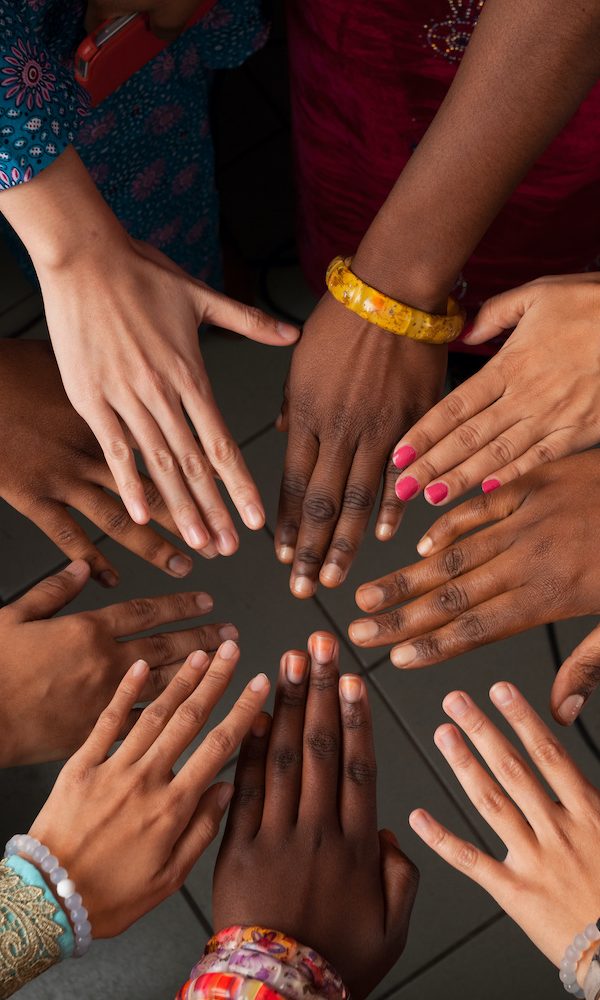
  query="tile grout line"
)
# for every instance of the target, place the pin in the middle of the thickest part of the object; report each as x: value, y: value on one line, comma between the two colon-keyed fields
x: 193, y: 906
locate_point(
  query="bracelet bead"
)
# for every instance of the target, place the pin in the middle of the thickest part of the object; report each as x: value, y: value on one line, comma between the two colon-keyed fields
x: 573, y: 955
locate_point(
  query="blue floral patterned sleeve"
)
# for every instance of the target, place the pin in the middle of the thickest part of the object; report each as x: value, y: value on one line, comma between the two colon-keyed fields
x: 41, y: 105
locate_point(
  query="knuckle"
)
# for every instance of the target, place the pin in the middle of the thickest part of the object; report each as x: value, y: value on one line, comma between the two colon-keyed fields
x: 109, y: 720
x: 143, y: 609
x: 501, y: 450
x: 248, y: 795
x: 321, y: 743
x: 118, y: 522
x: 358, y: 499
x: 323, y: 677
x: 319, y: 508
x: 544, y: 453
x: 290, y: 697
x: 466, y: 856
x: 285, y: 758
x: 118, y: 449
x: 511, y: 767
x: 477, y: 726
x: 162, y: 460
x: 548, y: 752
x: 452, y: 561
x: 308, y: 557
x: 353, y: 718
x: 162, y: 644
x: 293, y: 486
x: 393, y: 621
x: 586, y: 671
x: 155, y: 715
x: 223, y: 451
x: 344, y: 545
x: 400, y: 586
x: 469, y: 438
x: 452, y: 600
x: 472, y: 628
x: 153, y: 498
x: 361, y: 771
x: 454, y: 407
x: 492, y: 801
x: 220, y: 743
x: 193, y: 466
x: 254, y: 319
x: 428, y: 647
x: 191, y: 715
x: 66, y: 535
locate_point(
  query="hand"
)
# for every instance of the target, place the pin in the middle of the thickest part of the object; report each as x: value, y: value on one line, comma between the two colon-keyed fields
x: 50, y: 460
x: 126, y: 828
x: 538, y: 399
x: 167, y: 17
x: 348, y: 397
x: 301, y: 849
x: 57, y: 675
x: 530, y: 567
x: 548, y: 882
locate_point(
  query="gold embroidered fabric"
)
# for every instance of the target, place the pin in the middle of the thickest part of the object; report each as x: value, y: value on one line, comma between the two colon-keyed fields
x: 28, y: 933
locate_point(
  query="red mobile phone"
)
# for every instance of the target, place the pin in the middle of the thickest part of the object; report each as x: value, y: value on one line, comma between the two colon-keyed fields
x: 119, y: 48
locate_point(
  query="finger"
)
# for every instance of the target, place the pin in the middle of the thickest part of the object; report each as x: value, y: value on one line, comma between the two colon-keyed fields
x: 490, y: 874
x: 577, y: 679
x: 201, y: 829
x: 144, y: 613
x: 159, y: 678
x: 300, y: 458
x: 503, y: 760
x: 422, y: 577
x: 120, y: 459
x: 470, y: 515
x: 321, y: 744
x: 284, y: 763
x: 391, y: 509
x: 321, y: 508
x: 220, y: 310
x: 224, y: 455
x: 501, y: 312
x: 192, y: 714
x: 156, y: 716
x: 115, y: 717
x: 282, y: 422
x: 61, y: 528
x: 486, y: 795
x: 168, y: 647
x: 358, y: 498
x: 400, y: 879
x: 545, y: 750
x: 550, y: 448
x: 462, y: 404
x: 358, y: 781
x: 52, y: 594
x: 221, y: 742
x: 505, y: 615
x: 246, y: 812
x: 112, y: 518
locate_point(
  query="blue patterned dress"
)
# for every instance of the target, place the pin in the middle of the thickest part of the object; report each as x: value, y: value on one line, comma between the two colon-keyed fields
x: 148, y: 147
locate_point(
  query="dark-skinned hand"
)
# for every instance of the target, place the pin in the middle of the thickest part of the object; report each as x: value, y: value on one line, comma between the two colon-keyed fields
x: 531, y: 561
x: 58, y: 674
x: 351, y: 390
x: 301, y: 850
x: 50, y: 461
x: 167, y: 18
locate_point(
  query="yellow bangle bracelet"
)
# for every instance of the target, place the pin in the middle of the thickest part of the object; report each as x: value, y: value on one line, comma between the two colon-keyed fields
x: 383, y: 311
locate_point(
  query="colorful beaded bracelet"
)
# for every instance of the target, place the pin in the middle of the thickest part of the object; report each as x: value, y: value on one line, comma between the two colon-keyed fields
x: 389, y: 314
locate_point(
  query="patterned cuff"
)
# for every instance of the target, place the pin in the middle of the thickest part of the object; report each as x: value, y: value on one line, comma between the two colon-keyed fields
x: 591, y: 985
x: 254, y: 963
x: 34, y: 930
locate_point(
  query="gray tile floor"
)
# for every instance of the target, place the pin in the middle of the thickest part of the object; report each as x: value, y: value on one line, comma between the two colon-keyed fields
x: 458, y: 934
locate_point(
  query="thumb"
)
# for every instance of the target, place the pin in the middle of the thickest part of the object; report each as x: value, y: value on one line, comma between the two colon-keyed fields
x: 53, y: 593
x: 400, y: 881
x: 220, y: 310
x: 577, y: 679
x: 203, y: 826
x: 502, y: 312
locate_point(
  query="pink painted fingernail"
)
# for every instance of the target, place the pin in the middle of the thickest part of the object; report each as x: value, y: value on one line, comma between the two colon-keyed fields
x: 490, y: 484
x: 404, y: 456
x: 406, y: 488
x: 437, y: 492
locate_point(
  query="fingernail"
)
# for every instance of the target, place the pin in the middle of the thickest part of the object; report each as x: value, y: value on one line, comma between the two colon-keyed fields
x: 384, y: 532
x: 287, y: 332
x: 225, y: 795
x: 323, y: 648
x: 209, y: 551
x: 139, y: 514
x: 295, y: 668
x: 502, y: 693
x: 260, y: 725
x: 254, y: 516
x: 331, y: 574
x: 448, y: 737
x: 198, y: 659
x: 570, y: 708
x: 351, y: 688
x: 370, y: 597
x: 421, y: 823
x: 425, y: 545
x: 179, y: 565
x: 259, y: 682
x: 285, y: 554
x: 406, y: 488
x: 228, y: 631
x: 108, y: 579
x: 227, y: 543
x: 303, y: 587
x: 139, y: 667
x: 228, y: 650
x: 195, y: 537
x: 436, y: 492
x: 78, y: 567
x: 401, y: 656
x: 404, y: 456
x: 204, y: 602
x: 362, y: 631
x: 490, y: 484
x: 456, y: 705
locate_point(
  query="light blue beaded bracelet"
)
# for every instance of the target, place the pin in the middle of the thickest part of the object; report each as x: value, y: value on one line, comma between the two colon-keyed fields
x: 69, y: 899
x: 573, y: 955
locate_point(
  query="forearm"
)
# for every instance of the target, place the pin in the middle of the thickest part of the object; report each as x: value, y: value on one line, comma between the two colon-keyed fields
x: 524, y: 74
